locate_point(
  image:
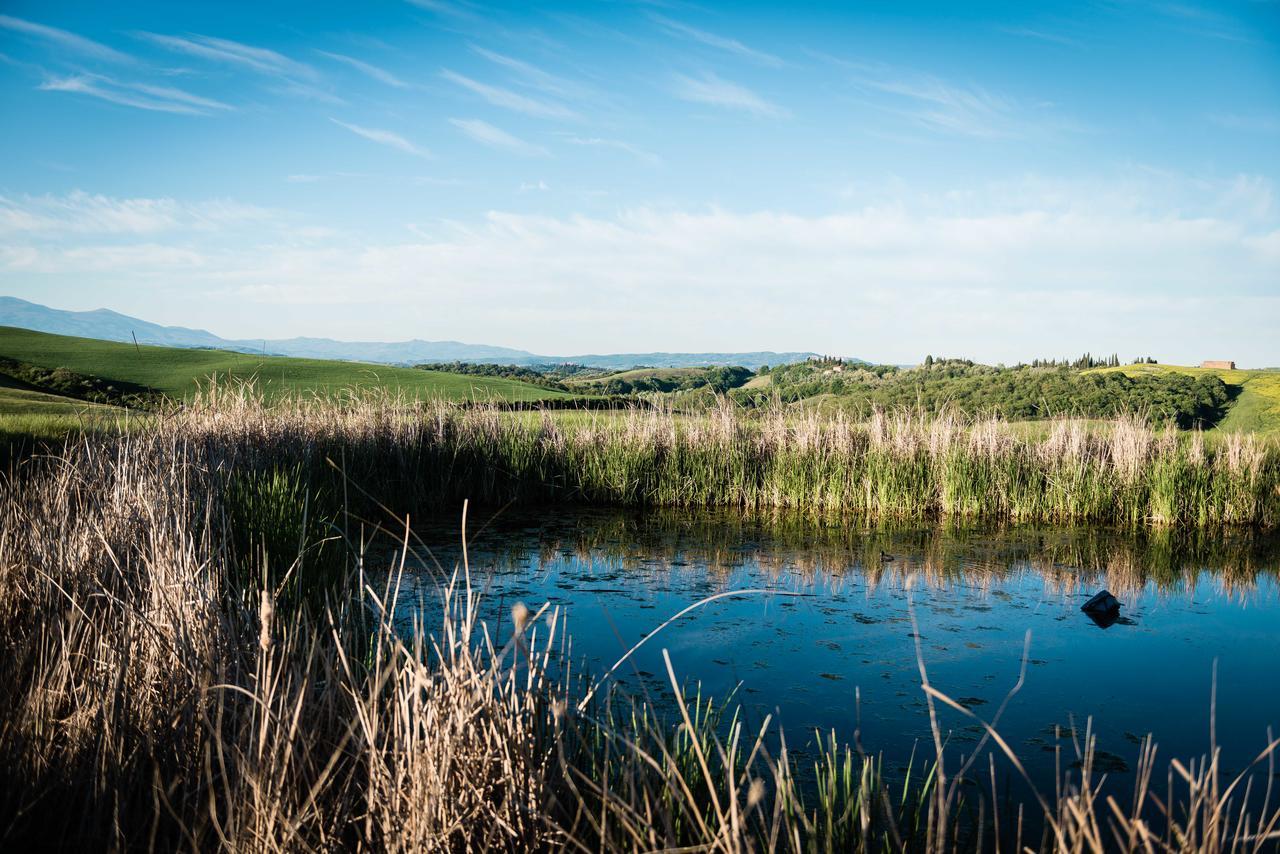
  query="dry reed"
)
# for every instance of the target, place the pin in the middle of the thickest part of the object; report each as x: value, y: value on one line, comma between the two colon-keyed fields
x: 153, y: 695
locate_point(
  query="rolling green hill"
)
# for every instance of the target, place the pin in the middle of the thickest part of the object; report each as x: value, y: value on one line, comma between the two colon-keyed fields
x: 179, y: 372
x: 17, y: 400
x: 29, y: 415
x: 1256, y: 407
x: 662, y: 380
x: 673, y: 374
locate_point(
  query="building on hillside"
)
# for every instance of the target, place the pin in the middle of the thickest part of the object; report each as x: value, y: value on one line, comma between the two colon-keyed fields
x: 1219, y: 364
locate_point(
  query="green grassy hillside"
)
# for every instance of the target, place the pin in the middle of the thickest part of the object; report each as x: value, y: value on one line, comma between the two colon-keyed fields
x: 20, y: 401
x: 673, y: 374
x: 676, y: 381
x: 179, y: 372
x: 1256, y: 407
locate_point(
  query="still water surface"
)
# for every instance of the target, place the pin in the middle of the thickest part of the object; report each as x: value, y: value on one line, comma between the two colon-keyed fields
x: 973, y: 593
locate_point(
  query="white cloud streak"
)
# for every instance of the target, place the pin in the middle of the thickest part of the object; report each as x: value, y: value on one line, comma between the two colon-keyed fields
x: 534, y: 77
x: 237, y: 54
x: 618, y: 144
x: 142, y: 96
x: 509, y: 100
x: 305, y: 91
x: 1041, y: 35
x: 461, y: 11
x: 493, y: 137
x: 941, y: 106
x: 98, y: 215
x: 65, y: 39
x: 385, y: 137
x: 719, y: 42
x: 710, y: 89
x: 367, y: 69
x: 1255, y: 123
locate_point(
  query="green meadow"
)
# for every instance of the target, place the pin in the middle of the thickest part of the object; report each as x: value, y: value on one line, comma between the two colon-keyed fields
x: 16, y: 398
x: 180, y: 373
x: 672, y: 374
x: 1256, y: 404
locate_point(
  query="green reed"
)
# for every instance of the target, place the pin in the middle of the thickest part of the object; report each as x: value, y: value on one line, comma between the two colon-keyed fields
x: 152, y: 696
x: 900, y: 465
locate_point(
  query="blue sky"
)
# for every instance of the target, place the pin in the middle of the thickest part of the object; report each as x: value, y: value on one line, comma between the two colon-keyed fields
x: 885, y: 180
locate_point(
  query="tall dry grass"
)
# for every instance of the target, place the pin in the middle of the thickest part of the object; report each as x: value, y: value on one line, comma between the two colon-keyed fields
x: 163, y: 686
x: 901, y: 465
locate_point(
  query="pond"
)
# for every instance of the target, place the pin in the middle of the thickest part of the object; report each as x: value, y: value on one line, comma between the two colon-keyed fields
x: 844, y: 650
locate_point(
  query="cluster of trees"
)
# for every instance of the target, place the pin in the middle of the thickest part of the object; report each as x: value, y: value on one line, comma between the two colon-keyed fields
x: 1019, y: 393
x: 718, y: 379
x: 567, y: 370
x: 511, y: 372
x: 67, y: 383
x: 1088, y: 361
x: 1043, y: 389
x: 1081, y: 363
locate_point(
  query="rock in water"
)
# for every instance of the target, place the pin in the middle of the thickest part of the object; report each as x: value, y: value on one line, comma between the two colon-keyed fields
x: 1102, y: 603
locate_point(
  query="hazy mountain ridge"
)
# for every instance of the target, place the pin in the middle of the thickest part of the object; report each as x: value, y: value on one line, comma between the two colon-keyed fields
x: 102, y: 323
x: 109, y: 325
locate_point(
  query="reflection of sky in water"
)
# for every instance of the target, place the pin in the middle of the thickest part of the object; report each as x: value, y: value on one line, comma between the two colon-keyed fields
x: 975, y: 595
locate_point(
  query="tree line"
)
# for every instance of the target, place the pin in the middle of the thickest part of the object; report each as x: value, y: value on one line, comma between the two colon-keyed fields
x: 1017, y: 393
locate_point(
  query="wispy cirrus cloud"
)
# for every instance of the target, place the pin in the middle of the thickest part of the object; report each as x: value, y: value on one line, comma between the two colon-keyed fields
x: 65, y: 39
x: 305, y: 91
x: 142, y: 96
x: 534, y: 77
x: 367, y: 69
x: 730, y: 45
x: 939, y: 105
x: 237, y: 54
x: 618, y: 144
x: 509, y: 100
x: 384, y: 137
x: 1209, y: 23
x: 1041, y: 35
x: 84, y: 213
x: 714, y: 90
x: 950, y: 108
x: 1252, y: 123
x: 462, y: 10
x: 494, y: 137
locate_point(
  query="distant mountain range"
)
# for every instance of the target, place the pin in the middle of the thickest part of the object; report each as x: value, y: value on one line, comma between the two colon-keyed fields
x: 112, y: 326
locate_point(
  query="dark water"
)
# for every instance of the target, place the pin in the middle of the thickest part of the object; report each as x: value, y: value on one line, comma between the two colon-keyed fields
x: 974, y: 595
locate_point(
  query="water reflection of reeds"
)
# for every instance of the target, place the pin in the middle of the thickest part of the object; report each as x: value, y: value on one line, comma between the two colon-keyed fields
x: 783, y: 547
